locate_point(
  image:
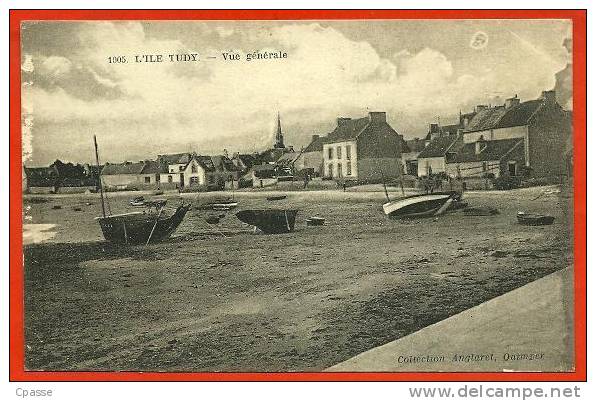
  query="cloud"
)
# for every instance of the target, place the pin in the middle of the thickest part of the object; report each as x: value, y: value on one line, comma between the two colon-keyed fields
x: 234, y: 104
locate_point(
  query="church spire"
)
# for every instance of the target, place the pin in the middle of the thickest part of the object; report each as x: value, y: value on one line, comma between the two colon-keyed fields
x: 279, y: 137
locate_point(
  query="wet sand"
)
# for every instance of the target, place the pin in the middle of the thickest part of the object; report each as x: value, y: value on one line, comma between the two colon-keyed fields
x: 302, y: 301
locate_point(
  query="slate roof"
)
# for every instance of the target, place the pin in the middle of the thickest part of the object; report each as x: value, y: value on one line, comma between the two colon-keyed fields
x: 439, y: 146
x: 348, y: 130
x: 501, y: 117
x: 316, y: 145
x: 152, y: 167
x: 123, y: 168
x: 494, y: 150
x: 206, y: 162
x: 450, y: 129
x: 413, y: 145
x: 248, y: 160
x: 222, y: 163
x: 520, y: 114
x: 486, y: 119
x: 288, y: 158
x: 175, y: 158
x: 263, y: 167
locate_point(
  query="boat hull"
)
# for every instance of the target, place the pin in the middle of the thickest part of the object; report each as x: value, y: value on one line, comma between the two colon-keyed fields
x: 270, y: 221
x: 315, y: 221
x: 535, y: 220
x: 276, y: 197
x: 136, y: 228
x: 420, y: 205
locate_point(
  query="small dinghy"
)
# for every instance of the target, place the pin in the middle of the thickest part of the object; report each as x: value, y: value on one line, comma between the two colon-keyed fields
x: 533, y: 219
x: 138, y: 201
x: 218, y: 206
x: 276, y: 197
x: 224, y: 206
x: 315, y: 221
x: 270, y: 221
x: 425, y: 205
x: 221, y: 204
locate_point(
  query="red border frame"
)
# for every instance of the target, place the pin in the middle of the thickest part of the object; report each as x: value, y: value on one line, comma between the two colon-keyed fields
x: 17, y: 370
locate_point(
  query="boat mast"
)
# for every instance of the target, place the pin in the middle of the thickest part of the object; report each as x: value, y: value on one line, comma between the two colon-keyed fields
x: 385, y: 186
x: 103, y: 207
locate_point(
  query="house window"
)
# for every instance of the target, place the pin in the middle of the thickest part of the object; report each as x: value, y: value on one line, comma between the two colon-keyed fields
x: 339, y: 170
x: 512, y: 169
x: 330, y: 169
x: 147, y: 180
x: 194, y: 180
x: 330, y: 153
x: 170, y: 179
x: 193, y: 168
x: 349, y: 152
x: 157, y: 178
x: 339, y: 152
x: 348, y: 167
x: 180, y: 168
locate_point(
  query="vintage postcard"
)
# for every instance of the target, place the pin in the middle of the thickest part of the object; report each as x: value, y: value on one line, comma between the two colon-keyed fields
x: 343, y: 195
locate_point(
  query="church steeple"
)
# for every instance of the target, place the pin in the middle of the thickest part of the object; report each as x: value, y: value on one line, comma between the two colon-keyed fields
x: 279, y: 137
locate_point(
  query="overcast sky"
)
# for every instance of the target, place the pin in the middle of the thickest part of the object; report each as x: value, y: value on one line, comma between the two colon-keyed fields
x: 413, y: 70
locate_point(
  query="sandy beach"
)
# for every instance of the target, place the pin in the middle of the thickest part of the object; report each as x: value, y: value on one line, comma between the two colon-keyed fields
x: 222, y: 298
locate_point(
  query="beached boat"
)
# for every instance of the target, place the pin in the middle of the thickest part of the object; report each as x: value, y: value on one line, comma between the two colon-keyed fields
x: 138, y: 227
x: 424, y: 205
x: 138, y: 201
x: 270, y: 221
x: 141, y: 227
x: 480, y: 211
x: 219, y: 204
x: 276, y: 197
x: 533, y: 219
x: 315, y: 221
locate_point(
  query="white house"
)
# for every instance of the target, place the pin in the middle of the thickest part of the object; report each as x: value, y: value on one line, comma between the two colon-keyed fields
x: 433, y: 158
x: 363, y: 149
x: 181, y: 170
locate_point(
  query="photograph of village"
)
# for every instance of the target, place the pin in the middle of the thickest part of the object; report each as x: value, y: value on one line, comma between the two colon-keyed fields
x: 275, y: 196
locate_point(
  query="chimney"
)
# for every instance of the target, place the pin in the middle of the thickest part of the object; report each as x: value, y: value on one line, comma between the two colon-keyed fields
x: 480, y: 144
x: 342, y: 120
x: 549, y: 97
x: 315, y: 138
x: 377, y: 116
x: 512, y: 101
x: 434, y: 131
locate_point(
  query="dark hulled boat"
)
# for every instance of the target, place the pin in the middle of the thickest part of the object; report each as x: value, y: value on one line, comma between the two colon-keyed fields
x: 138, y: 227
x: 276, y: 197
x: 270, y: 221
x: 141, y: 227
x: 532, y: 219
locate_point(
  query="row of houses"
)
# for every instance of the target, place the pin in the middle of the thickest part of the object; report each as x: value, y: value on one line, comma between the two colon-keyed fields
x: 173, y: 171
x: 531, y: 138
